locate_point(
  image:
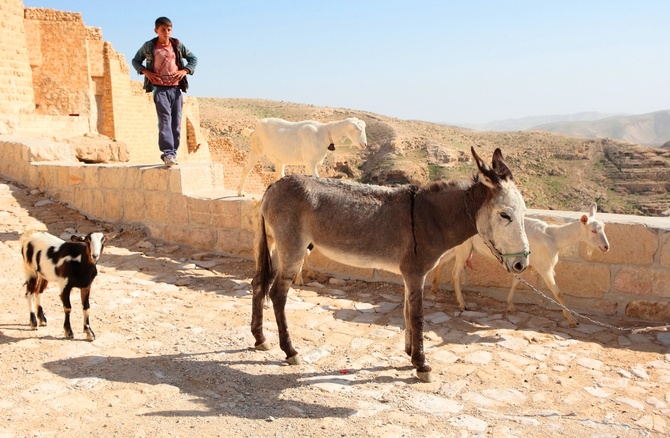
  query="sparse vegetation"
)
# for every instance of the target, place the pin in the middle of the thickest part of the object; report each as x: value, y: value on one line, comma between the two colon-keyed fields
x: 554, y: 171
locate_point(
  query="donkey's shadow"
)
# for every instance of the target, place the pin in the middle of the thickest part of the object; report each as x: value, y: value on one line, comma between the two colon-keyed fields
x: 219, y: 385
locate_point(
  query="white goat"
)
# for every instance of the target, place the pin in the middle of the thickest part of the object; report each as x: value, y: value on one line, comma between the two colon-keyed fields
x: 298, y: 143
x: 69, y: 264
x: 545, y: 242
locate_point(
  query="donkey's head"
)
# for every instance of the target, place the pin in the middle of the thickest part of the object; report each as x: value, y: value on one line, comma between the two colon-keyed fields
x: 593, y: 230
x: 500, y: 218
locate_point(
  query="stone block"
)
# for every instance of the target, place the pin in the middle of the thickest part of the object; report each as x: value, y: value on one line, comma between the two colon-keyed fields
x: 665, y: 250
x: 156, y: 207
x: 200, y: 211
x: 203, y: 238
x: 633, y: 244
x: 226, y: 213
x: 75, y: 176
x: 155, y: 179
x: 643, y: 281
x: 648, y: 310
x: 91, y: 179
x: 177, y: 209
x: 235, y: 242
x: 582, y: 280
x: 131, y: 177
x: 486, y: 273
x: 108, y: 204
x: 133, y: 206
x: 193, y: 178
x: 249, y: 214
x: 111, y: 177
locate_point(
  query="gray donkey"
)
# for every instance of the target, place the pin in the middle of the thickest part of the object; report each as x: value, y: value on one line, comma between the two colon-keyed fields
x: 404, y: 230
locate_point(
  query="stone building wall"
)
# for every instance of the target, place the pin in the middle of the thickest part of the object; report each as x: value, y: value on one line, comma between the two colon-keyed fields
x: 59, y: 61
x: 16, y: 81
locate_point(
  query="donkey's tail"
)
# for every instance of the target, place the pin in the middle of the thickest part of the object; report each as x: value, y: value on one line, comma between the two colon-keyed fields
x: 263, y: 259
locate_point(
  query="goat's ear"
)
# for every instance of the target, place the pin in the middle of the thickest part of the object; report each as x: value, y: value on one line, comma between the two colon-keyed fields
x: 584, y: 219
x: 593, y: 209
x: 75, y: 238
x: 488, y: 175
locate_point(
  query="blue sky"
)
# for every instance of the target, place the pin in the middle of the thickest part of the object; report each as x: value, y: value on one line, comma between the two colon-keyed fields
x: 439, y: 61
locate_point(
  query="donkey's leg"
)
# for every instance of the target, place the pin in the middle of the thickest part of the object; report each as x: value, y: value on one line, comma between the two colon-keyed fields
x: 278, y: 295
x: 414, y: 324
x: 85, y: 294
x: 67, y: 308
x: 257, y: 304
x: 41, y: 285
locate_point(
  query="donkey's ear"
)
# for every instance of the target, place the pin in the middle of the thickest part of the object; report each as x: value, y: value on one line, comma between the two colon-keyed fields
x: 487, y: 175
x: 499, y: 166
x: 593, y: 209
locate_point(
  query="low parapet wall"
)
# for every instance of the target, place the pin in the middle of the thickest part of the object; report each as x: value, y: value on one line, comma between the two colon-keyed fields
x: 189, y: 205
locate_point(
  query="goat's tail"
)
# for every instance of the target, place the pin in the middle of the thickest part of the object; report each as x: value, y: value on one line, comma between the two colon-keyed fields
x: 263, y: 259
x: 29, y: 231
x: 247, y: 132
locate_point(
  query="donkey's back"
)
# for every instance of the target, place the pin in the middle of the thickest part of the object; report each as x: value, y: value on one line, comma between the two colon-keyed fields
x: 359, y: 225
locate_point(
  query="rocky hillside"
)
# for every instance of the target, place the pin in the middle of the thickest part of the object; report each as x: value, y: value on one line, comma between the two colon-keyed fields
x: 554, y: 171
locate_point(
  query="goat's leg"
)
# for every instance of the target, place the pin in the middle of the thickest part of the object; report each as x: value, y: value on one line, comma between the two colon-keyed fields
x: 305, y: 264
x: 437, y: 274
x: 414, y: 325
x: 85, y: 294
x: 41, y: 285
x: 456, y: 273
x: 278, y: 295
x: 551, y: 283
x: 510, y: 296
x: 31, y: 287
x: 67, y: 308
x: 253, y: 159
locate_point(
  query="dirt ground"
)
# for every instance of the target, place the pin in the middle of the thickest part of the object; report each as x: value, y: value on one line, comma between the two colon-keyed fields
x: 174, y: 356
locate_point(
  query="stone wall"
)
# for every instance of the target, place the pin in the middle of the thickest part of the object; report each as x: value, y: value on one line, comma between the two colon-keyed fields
x: 191, y: 205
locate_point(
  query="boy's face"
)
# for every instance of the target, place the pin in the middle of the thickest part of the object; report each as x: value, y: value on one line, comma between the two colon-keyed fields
x: 164, y: 32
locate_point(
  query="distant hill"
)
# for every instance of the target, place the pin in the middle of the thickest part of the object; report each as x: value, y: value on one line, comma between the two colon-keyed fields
x: 553, y: 171
x: 530, y: 122
x: 651, y: 129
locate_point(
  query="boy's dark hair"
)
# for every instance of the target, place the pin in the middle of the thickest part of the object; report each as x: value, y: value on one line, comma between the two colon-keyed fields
x: 163, y: 21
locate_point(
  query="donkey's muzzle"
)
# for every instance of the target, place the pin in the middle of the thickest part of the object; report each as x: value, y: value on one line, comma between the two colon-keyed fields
x: 516, y: 265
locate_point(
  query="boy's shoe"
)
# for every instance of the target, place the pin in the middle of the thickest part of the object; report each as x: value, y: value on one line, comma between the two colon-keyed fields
x: 170, y: 161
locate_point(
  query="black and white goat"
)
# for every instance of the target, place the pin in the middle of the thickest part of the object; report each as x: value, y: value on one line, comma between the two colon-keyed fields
x: 69, y: 264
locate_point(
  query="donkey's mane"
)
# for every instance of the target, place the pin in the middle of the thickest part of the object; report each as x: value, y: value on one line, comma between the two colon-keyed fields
x: 442, y: 185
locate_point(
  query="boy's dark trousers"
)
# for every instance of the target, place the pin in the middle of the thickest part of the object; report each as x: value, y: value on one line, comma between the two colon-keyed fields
x: 169, y: 101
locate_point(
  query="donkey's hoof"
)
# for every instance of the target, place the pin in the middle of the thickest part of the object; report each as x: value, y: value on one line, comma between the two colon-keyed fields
x: 263, y: 346
x: 425, y: 376
x: 294, y: 360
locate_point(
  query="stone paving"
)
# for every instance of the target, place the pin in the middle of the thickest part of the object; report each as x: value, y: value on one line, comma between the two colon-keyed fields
x: 173, y: 355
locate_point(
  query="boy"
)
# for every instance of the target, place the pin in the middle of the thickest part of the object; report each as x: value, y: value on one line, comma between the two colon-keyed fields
x: 165, y: 75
